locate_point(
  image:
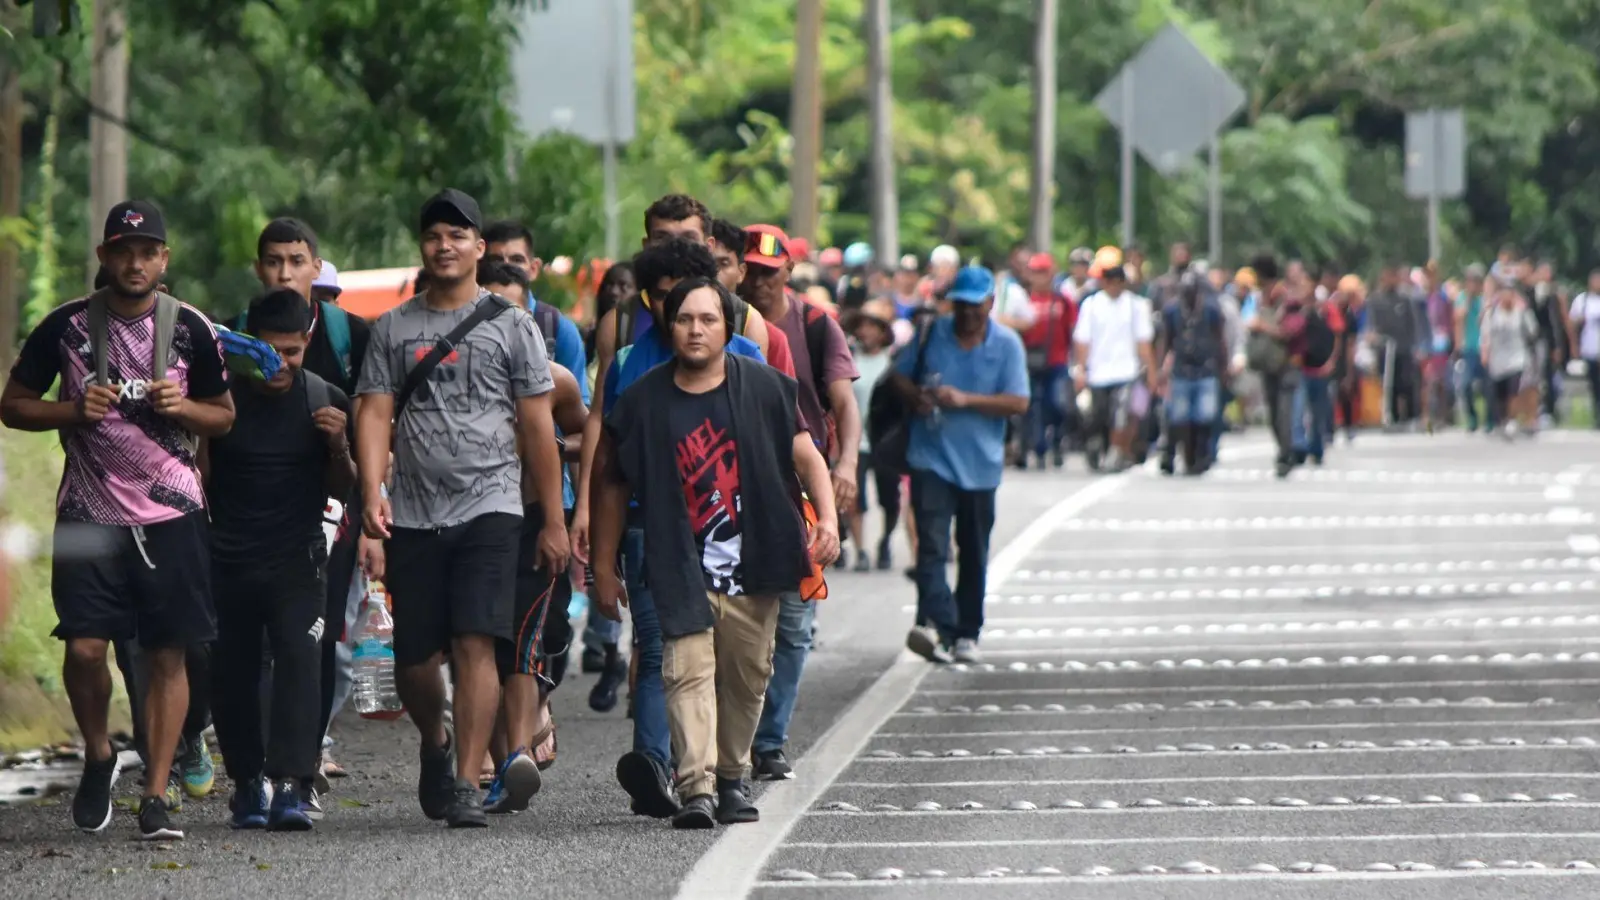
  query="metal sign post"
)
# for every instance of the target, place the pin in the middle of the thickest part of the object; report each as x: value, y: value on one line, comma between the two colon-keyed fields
x: 1183, y: 101
x: 1436, y: 163
x: 560, y: 89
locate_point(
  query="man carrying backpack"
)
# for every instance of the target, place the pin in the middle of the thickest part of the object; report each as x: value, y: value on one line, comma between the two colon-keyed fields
x: 287, y: 256
x: 1312, y: 411
x: 1275, y: 347
x: 267, y: 483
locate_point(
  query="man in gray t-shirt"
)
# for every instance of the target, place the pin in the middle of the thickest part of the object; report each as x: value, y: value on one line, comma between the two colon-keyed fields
x: 455, y: 449
x: 454, y: 519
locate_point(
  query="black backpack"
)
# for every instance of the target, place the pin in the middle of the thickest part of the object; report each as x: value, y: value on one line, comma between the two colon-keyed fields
x: 1320, y: 339
x: 889, y: 416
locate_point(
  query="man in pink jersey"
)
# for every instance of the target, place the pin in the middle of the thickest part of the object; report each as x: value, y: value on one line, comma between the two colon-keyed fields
x: 132, y: 554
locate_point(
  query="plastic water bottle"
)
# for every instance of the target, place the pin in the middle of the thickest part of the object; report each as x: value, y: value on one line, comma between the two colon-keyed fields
x: 373, y: 661
x: 930, y: 383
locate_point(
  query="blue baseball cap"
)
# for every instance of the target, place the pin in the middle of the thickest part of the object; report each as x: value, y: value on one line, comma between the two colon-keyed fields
x: 857, y: 254
x: 973, y: 284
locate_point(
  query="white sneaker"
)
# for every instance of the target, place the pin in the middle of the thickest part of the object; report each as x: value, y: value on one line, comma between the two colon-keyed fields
x: 967, y: 651
x: 925, y: 643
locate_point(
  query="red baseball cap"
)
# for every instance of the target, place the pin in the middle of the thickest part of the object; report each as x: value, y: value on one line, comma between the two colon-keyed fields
x: 832, y: 256
x: 800, y: 249
x: 1041, y: 262
x: 767, y: 245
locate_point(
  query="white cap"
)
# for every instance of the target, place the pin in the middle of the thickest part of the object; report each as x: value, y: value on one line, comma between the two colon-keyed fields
x: 328, y: 277
x: 908, y: 263
x: 945, y: 255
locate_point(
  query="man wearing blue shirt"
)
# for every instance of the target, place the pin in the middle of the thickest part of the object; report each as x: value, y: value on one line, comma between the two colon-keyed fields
x: 963, y: 380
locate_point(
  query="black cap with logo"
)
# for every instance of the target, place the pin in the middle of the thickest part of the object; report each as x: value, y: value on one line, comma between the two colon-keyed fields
x: 452, y: 207
x: 135, y: 219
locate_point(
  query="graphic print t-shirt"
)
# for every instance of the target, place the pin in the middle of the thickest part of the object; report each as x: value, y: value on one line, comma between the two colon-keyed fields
x: 135, y: 466
x: 455, y: 444
x: 708, y: 468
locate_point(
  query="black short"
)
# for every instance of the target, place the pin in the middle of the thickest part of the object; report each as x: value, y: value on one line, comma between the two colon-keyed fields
x: 150, y: 582
x: 541, y: 632
x: 884, y: 479
x: 451, y: 581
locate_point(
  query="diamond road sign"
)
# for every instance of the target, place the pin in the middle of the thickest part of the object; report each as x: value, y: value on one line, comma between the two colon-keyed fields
x: 1180, y: 99
x: 573, y: 69
x: 1436, y: 148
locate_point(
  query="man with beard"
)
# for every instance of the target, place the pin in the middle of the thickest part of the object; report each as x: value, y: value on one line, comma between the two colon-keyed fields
x: 724, y: 536
x: 457, y: 382
x: 142, y: 380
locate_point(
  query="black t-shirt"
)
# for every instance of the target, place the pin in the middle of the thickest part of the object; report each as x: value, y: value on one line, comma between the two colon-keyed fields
x: 320, y: 358
x: 267, y: 474
x: 708, y: 468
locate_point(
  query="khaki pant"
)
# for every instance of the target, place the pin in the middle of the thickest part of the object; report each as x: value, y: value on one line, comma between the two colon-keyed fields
x: 716, y: 681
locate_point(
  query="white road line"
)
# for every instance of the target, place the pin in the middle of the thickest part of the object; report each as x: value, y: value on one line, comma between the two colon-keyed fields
x: 734, y: 863
x: 1493, y: 588
x: 1232, y: 729
x: 1175, y: 754
x: 1559, y: 492
x: 1481, y: 645
x: 1483, y: 613
x: 1260, y: 806
x: 1323, y: 549
x: 1277, y: 523
x: 1310, y: 570
x: 1451, y: 620
x: 1229, y: 779
x: 1584, y: 543
x: 1262, y: 839
x: 1262, y: 688
x: 1142, y: 878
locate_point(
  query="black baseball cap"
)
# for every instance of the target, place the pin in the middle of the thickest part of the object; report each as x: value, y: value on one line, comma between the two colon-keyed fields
x: 451, y: 207
x: 135, y: 219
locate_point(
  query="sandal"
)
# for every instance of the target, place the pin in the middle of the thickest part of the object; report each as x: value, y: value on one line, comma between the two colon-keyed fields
x: 546, y: 737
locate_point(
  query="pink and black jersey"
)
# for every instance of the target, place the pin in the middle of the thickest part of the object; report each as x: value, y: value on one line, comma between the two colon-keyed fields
x: 134, y: 467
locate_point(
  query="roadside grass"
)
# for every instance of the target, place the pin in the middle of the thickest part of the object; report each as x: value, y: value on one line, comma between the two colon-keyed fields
x: 33, y: 704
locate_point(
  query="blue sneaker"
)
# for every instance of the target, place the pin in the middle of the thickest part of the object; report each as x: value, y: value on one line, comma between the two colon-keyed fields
x: 287, y: 812
x: 249, y: 805
x: 514, y: 785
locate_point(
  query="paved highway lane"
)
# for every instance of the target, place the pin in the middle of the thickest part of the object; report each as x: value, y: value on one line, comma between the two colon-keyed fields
x: 1376, y: 679
x: 1375, y: 672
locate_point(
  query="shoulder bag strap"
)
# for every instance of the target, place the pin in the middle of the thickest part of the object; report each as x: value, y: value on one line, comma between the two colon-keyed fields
x: 166, y: 322
x: 97, y: 338
x: 489, y: 308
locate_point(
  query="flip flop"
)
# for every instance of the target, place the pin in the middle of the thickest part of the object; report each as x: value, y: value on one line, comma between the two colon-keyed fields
x: 547, y: 735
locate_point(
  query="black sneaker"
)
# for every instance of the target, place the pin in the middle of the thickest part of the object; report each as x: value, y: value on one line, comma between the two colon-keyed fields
x: 155, y: 823
x: 593, y: 660
x: 91, y: 805
x: 885, y: 557
x: 648, y: 783
x: 698, y: 811
x: 466, y: 807
x: 733, y: 803
x: 772, y: 765
x: 436, y: 784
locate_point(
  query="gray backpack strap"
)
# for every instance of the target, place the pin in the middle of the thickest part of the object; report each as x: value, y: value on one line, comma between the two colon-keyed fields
x: 166, y: 323
x: 97, y: 337
x: 317, y: 393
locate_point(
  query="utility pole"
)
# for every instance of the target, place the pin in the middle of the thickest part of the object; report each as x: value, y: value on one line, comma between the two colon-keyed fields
x: 1044, y: 127
x: 10, y: 187
x: 108, y: 141
x: 880, y: 102
x: 805, y: 118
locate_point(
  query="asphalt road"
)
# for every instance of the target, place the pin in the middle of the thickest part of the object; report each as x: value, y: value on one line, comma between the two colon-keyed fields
x: 1383, y: 657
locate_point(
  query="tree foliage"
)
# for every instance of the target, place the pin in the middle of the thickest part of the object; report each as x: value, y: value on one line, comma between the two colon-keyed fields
x: 348, y: 112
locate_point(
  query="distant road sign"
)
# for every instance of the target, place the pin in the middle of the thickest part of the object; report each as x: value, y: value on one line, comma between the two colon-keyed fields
x: 1436, y: 154
x: 573, y: 69
x: 1180, y: 100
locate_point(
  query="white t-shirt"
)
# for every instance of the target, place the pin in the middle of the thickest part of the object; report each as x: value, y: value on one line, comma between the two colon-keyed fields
x: 1011, y: 302
x: 1113, y: 328
x: 1585, y: 313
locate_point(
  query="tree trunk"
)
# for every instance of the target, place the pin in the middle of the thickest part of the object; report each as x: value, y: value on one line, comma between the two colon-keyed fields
x: 10, y: 190
x: 805, y: 118
x: 880, y: 102
x: 108, y: 141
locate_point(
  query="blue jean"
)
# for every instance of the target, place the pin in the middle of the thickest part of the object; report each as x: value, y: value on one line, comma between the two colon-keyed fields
x: 598, y: 631
x: 938, y: 504
x: 789, y: 651
x: 1476, y: 384
x: 1312, y: 417
x: 1219, y: 423
x: 1047, y: 409
x: 651, y: 734
x: 1192, y: 401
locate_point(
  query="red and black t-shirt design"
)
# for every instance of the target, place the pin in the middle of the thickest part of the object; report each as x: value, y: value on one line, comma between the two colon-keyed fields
x: 708, y: 467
